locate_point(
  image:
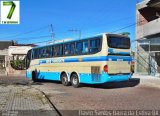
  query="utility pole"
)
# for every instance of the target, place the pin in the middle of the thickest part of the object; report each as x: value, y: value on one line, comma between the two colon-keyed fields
x: 52, y: 33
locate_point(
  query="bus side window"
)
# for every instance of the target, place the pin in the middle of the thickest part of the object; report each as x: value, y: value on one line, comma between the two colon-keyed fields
x: 69, y: 49
x: 48, y: 52
x: 32, y: 55
x: 94, y: 45
x: 66, y: 49
x: 79, y: 48
x: 36, y: 52
x: 85, y: 47
x: 72, y: 48
x: 52, y: 51
x: 28, y: 59
x: 58, y: 50
x: 42, y: 52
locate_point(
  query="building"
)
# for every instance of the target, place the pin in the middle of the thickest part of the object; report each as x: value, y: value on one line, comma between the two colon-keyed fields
x: 10, y: 51
x: 4, y: 58
x: 148, y: 37
x: 18, y: 52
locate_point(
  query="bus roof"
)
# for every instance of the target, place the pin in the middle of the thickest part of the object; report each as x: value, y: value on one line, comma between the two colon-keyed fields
x: 98, y: 35
x: 68, y: 41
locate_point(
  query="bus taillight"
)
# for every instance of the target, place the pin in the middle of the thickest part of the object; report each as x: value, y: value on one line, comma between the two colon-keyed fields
x: 105, y: 68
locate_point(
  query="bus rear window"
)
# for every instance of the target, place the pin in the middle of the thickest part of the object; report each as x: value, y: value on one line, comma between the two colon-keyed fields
x: 119, y: 42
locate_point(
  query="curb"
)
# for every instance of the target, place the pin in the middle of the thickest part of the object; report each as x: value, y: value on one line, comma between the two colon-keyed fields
x: 49, y: 102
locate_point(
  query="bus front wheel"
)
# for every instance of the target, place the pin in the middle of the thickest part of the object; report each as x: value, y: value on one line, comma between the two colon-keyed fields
x: 75, y: 81
x: 34, y: 78
x: 64, y: 80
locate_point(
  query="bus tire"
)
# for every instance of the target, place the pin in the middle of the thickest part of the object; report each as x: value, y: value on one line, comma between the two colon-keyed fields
x: 75, y: 80
x: 34, y: 78
x: 64, y: 79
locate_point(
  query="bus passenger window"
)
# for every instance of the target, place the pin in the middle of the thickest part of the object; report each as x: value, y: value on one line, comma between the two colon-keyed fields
x: 66, y: 50
x: 85, y: 47
x: 41, y: 53
x: 60, y: 50
x: 52, y: 51
x: 36, y: 53
x: 94, y: 45
x: 79, y: 48
x: 72, y: 48
x: 48, y: 52
x: 69, y: 49
x: 56, y: 51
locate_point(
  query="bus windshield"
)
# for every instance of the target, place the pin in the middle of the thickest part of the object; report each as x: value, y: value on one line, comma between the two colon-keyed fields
x: 118, y: 42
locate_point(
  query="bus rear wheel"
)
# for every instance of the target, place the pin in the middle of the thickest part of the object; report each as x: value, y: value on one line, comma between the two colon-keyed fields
x: 75, y: 81
x: 64, y: 80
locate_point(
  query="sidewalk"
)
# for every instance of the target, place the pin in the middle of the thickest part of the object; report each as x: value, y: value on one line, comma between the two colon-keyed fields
x: 148, y: 80
x: 19, y: 98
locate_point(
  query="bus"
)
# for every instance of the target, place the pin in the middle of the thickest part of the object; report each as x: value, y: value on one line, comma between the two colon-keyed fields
x: 94, y: 60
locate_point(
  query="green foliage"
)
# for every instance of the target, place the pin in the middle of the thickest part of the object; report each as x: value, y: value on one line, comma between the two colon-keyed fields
x: 18, y: 64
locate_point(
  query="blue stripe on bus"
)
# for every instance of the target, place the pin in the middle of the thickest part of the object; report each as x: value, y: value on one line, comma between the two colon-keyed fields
x: 110, y: 50
x: 101, y: 58
x: 42, y: 61
x: 124, y: 53
x: 84, y: 77
x: 71, y: 60
x: 90, y: 59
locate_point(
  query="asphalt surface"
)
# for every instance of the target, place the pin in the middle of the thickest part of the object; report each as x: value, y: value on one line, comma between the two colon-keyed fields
x: 131, y: 95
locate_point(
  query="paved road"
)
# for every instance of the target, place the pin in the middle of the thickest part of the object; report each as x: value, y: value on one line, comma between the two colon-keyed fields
x: 132, y: 95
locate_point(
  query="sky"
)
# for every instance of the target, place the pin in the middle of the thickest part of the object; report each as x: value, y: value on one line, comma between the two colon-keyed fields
x: 91, y: 17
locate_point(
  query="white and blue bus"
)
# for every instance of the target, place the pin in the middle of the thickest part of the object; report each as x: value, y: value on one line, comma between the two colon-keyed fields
x: 93, y: 60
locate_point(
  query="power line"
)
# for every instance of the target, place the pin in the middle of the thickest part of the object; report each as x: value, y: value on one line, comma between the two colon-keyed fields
x: 113, y: 21
x: 128, y: 26
x: 110, y: 32
x: 35, y: 30
x: 125, y: 27
x: 31, y: 38
x: 42, y: 41
x: 97, y: 27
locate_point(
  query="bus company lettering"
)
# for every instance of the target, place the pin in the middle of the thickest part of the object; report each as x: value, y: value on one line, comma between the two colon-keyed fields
x: 56, y: 60
x: 51, y: 61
